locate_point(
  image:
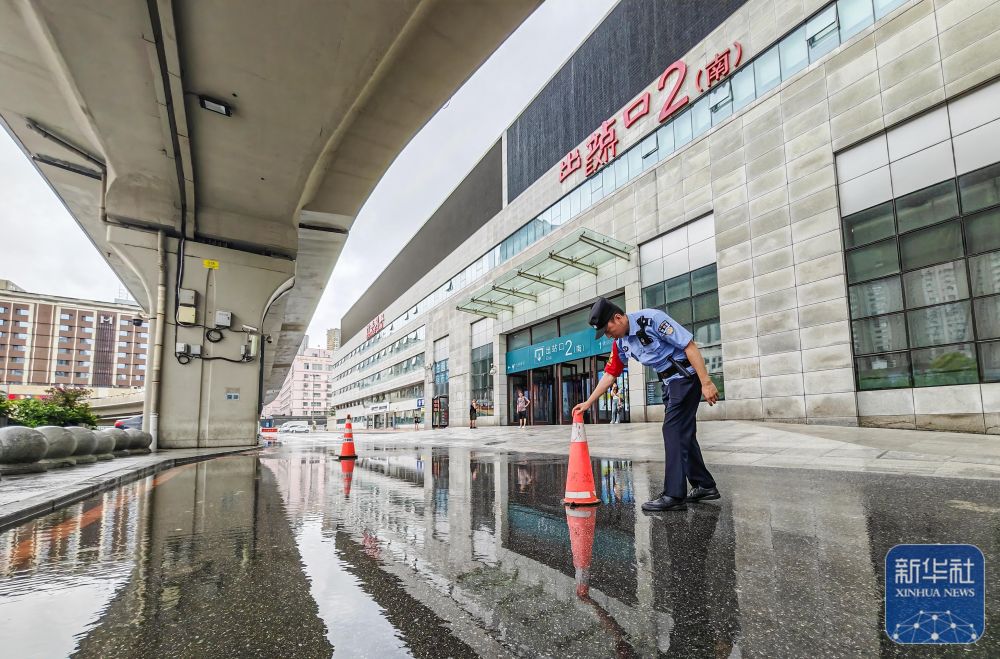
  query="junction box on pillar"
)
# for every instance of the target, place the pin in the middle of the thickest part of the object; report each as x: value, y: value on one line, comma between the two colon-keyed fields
x: 209, y: 399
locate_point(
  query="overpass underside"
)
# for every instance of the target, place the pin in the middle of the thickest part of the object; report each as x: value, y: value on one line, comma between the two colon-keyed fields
x: 217, y: 153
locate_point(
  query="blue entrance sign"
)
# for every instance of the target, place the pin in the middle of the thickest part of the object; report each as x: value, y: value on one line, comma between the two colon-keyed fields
x: 935, y: 594
x: 560, y: 349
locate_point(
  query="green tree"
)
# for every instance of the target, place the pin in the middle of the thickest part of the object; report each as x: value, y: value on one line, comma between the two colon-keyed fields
x: 6, y: 407
x: 61, y: 407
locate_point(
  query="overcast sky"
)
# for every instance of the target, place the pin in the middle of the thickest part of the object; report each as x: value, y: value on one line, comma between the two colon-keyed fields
x: 43, y: 250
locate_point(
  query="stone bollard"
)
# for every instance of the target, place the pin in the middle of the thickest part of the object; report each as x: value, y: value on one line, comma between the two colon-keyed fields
x: 105, y: 445
x: 21, y: 449
x: 122, y: 441
x: 139, y: 442
x: 86, y: 444
x: 61, y: 445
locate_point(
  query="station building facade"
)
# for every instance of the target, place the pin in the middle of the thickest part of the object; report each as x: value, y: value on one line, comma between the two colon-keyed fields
x: 811, y: 186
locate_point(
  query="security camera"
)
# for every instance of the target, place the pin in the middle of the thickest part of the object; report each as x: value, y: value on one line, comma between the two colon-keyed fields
x: 268, y: 338
x: 137, y: 322
x: 251, y: 329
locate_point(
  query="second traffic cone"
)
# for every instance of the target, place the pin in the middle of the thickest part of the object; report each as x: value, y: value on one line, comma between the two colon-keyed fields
x: 347, y: 451
x: 581, y: 525
x: 580, y: 479
x: 347, y: 469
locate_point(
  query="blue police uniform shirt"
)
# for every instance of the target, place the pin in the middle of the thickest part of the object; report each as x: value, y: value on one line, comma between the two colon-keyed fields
x: 668, y: 338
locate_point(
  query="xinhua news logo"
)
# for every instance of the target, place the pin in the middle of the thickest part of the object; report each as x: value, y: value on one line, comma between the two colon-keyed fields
x: 935, y: 594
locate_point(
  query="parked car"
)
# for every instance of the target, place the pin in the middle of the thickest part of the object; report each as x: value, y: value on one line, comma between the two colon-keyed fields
x: 296, y: 429
x: 132, y: 422
x: 293, y: 426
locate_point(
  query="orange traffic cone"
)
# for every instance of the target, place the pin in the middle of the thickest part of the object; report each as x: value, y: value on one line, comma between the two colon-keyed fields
x: 580, y: 479
x: 581, y: 539
x: 347, y: 469
x: 347, y: 451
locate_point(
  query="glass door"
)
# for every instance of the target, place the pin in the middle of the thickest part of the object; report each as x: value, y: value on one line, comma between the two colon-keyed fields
x: 606, y: 406
x: 543, y: 404
x: 575, y: 386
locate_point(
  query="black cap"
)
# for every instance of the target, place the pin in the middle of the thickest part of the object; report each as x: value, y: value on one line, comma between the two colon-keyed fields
x: 600, y: 314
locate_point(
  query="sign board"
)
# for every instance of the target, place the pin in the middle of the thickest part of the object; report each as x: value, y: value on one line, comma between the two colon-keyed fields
x: 560, y: 349
x: 379, y: 407
x: 420, y: 403
x: 375, y: 326
x: 602, y: 145
x: 211, y: 264
x: 935, y: 594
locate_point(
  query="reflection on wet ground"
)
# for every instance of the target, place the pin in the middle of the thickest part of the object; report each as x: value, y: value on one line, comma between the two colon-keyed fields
x: 454, y: 552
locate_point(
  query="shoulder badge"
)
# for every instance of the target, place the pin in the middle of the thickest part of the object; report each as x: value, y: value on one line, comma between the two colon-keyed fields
x: 666, y: 328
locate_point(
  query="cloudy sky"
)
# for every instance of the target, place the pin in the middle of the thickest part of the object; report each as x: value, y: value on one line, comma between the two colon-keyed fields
x: 43, y: 250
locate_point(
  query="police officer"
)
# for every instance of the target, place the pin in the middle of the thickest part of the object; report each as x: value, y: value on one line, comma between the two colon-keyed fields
x: 654, y: 339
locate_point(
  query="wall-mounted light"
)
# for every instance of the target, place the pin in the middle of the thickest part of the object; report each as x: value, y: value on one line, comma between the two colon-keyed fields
x: 215, y: 105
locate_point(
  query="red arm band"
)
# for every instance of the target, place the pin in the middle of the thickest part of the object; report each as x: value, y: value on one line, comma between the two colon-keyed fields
x: 614, y: 367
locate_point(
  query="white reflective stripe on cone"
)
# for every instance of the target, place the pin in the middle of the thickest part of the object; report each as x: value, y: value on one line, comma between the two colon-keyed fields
x: 578, y: 495
x: 573, y: 512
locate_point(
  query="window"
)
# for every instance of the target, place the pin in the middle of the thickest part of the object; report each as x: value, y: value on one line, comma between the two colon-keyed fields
x: 62, y: 362
x: 692, y: 299
x: 64, y: 339
x: 64, y: 328
x: 64, y: 316
x: 22, y: 323
x: 15, y: 371
x: 794, y: 53
x: 123, y: 333
x: 744, y: 88
x: 22, y: 312
x: 88, y: 319
x: 822, y: 34
x: 88, y: 330
x: 123, y: 344
x: 121, y: 355
x: 20, y: 335
x: 767, y: 71
x: 62, y: 374
x: 3, y: 309
x: 924, y: 275
x: 80, y: 374
x: 854, y: 15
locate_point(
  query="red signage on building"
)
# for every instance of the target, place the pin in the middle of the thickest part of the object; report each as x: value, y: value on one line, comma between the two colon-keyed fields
x: 602, y: 145
x: 375, y: 326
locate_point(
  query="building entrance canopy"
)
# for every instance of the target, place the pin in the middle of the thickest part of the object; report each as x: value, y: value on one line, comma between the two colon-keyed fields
x: 581, y: 252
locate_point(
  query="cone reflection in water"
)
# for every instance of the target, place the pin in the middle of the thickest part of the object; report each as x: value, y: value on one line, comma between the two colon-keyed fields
x: 582, y: 524
x: 580, y: 478
x: 347, y: 470
x: 347, y: 451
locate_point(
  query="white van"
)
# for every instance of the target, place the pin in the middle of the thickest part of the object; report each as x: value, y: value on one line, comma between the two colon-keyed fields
x: 294, y: 426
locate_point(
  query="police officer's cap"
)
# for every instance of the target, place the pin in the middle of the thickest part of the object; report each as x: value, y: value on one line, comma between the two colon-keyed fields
x: 600, y: 314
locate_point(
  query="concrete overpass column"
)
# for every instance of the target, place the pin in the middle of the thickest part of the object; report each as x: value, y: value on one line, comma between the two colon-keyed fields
x: 212, y: 399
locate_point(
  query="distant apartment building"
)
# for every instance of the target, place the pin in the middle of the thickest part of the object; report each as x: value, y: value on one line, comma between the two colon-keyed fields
x: 333, y: 339
x: 307, y: 391
x: 48, y: 341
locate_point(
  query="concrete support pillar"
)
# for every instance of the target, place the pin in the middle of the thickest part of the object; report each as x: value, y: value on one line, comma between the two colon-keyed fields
x: 212, y: 400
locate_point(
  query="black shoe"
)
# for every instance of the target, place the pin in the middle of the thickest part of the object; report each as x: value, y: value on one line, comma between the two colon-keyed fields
x: 703, y: 494
x: 664, y: 503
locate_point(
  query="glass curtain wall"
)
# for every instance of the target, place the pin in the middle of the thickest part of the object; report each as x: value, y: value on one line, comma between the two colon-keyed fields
x: 924, y: 285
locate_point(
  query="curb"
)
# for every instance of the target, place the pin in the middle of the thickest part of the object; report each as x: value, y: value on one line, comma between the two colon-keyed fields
x: 19, y: 512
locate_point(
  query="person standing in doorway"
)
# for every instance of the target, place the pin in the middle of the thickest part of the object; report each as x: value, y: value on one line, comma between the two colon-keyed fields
x: 616, y: 404
x: 522, y: 408
x: 654, y: 339
x: 473, y: 410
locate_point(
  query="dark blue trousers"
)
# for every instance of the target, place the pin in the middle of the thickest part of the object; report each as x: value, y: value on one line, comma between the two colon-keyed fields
x: 680, y: 441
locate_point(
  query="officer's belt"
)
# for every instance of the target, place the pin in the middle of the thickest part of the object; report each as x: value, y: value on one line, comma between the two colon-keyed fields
x: 677, y: 367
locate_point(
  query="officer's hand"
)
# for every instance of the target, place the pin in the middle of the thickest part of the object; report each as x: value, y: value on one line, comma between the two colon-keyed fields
x: 710, y: 392
x: 581, y: 408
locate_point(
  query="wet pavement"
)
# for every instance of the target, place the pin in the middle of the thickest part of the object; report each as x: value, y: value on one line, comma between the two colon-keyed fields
x: 454, y: 552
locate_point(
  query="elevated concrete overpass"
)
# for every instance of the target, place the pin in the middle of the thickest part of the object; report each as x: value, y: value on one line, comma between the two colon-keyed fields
x: 225, y: 147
